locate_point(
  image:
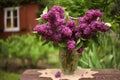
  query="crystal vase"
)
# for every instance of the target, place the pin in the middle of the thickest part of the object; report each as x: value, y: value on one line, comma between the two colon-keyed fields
x: 68, y: 61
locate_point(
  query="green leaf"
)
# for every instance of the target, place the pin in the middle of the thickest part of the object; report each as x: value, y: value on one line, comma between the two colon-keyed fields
x: 62, y: 44
x: 77, y: 23
x: 34, y: 32
x: 78, y: 41
x: 40, y: 20
x: 95, y: 39
x: 45, y: 10
x: 86, y: 43
x: 37, y: 36
x: 67, y: 16
x: 79, y: 44
x: 83, y: 62
x: 45, y: 42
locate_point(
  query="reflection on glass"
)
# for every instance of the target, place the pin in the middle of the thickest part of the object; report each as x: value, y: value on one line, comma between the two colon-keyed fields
x: 9, y: 23
x: 14, y: 12
x: 15, y: 22
x: 8, y: 13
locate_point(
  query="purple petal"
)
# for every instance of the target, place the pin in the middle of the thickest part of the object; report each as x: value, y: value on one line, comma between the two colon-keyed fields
x: 57, y: 74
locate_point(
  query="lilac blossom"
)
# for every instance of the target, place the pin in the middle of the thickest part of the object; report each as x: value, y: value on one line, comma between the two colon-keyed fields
x: 102, y: 26
x: 70, y: 23
x: 81, y: 20
x: 66, y: 31
x: 57, y: 29
x: 83, y: 26
x: 89, y: 25
x: 93, y: 25
x: 99, y: 26
x: 87, y: 31
x: 94, y: 14
x: 45, y: 17
x: 56, y: 38
x: 55, y: 16
x: 71, y: 45
x: 41, y: 29
x: 58, y: 9
x: 58, y: 74
x: 78, y: 35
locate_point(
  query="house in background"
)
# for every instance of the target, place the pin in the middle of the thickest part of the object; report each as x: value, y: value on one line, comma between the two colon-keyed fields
x: 18, y: 19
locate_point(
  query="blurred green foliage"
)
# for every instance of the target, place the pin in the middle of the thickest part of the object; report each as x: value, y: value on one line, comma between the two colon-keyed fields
x: 79, y: 7
x: 26, y: 47
x: 104, y: 55
x: 8, y: 76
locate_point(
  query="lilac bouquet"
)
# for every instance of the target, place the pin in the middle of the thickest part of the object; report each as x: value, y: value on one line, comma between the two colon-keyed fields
x: 70, y: 34
x: 63, y: 30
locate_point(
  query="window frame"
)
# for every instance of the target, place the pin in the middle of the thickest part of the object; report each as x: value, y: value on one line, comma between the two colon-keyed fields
x: 12, y: 28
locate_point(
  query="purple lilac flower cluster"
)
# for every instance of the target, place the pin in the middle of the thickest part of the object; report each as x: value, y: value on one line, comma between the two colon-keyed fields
x: 89, y: 24
x: 58, y: 30
x: 50, y: 31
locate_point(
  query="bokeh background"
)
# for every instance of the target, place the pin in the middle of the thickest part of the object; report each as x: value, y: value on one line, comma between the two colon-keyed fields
x: 21, y: 50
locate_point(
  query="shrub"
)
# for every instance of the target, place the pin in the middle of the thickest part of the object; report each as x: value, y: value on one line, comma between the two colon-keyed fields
x: 25, y: 47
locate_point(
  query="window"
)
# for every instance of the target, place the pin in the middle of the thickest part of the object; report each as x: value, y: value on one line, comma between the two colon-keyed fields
x: 11, y: 19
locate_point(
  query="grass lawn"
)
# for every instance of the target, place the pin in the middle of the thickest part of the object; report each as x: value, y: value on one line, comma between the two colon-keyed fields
x: 8, y: 76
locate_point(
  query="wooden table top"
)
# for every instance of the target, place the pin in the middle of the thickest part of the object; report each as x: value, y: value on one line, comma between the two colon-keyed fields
x: 80, y: 74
